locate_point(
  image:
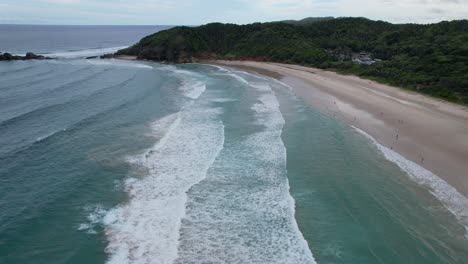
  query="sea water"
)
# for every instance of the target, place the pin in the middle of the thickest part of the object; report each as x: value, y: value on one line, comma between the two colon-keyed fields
x: 107, y: 161
x: 70, y: 41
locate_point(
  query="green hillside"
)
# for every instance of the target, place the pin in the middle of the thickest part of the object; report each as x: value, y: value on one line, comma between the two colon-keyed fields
x: 432, y: 59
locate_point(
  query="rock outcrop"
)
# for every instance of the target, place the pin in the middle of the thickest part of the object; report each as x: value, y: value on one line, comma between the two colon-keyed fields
x: 107, y: 56
x: 29, y: 56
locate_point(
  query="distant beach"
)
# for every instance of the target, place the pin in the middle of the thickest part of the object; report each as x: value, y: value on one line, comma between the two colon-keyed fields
x: 125, y: 57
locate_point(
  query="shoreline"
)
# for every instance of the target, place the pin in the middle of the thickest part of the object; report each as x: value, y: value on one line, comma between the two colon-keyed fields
x: 125, y: 57
x: 429, y: 132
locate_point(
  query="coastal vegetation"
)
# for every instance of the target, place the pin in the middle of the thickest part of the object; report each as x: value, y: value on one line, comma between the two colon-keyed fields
x: 432, y: 59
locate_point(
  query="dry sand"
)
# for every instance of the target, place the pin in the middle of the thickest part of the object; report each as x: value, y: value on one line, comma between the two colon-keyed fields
x: 427, y: 131
x: 125, y: 57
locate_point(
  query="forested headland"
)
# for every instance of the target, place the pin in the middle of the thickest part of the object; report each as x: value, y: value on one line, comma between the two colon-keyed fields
x: 432, y: 59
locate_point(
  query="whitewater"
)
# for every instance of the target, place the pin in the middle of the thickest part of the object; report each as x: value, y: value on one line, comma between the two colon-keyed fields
x: 164, y: 221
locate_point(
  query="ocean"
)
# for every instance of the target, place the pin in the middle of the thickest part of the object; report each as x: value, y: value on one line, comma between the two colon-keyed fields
x: 108, y: 161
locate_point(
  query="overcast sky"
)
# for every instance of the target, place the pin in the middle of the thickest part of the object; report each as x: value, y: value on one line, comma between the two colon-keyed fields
x: 195, y: 12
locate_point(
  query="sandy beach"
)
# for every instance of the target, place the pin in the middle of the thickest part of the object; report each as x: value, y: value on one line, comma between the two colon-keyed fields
x: 125, y: 57
x: 427, y: 131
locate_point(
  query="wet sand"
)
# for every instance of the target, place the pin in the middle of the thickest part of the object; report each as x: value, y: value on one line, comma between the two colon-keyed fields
x: 427, y: 131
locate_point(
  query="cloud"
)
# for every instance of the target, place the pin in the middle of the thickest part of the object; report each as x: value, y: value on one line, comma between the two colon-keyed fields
x: 193, y: 12
x: 62, y: 1
x: 437, y: 10
x: 274, y: 6
x: 406, y: 11
x: 292, y: 8
x: 398, y: 11
x: 273, y: 10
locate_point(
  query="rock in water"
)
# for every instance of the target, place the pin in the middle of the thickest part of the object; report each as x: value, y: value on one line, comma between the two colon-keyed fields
x: 29, y: 56
x: 32, y: 56
x: 6, y: 57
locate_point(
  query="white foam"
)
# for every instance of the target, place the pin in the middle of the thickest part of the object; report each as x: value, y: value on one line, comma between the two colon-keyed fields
x: 94, y: 218
x: 146, y: 229
x: 165, y: 125
x: 265, y: 79
x: 261, y: 87
x: 222, y: 100
x: 243, y: 212
x: 269, y: 114
x: 234, y: 73
x: 267, y: 107
x: 235, y: 76
x: 448, y: 195
x: 192, y: 85
x: 222, y: 69
x: 104, y: 62
x: 283, y: 84
x: 49, y: 135
x: 119, y: 63
x: 83, y: 53
x: 192, y: 88
x: 253, y: 75
x: 187, y: 72
x: 160, y: 129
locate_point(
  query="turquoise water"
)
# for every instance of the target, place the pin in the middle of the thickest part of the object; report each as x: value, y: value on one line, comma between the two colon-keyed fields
x: 131, y: 162
x: 354, y: 206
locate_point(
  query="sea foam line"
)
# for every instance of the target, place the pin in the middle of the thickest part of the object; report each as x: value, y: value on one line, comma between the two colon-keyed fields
x: 192, y: 88
x: 39, y: 139
x: 253, y: 75
x: 192, y: 83
x: 454, y: 201
x: 95, y: 214
x: 222, y: 69
x: 146, y: 229
x: 268, y: 113
x: 234, y: 76
x: 83, y: 53
x: 228, y: 221
x: 118, y: 63
x: 257, y: 76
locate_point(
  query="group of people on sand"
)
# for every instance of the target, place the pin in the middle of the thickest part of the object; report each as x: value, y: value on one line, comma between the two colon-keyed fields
x: 397, y: 135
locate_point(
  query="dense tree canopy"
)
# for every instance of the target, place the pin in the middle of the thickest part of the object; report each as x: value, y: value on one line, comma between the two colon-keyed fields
x: 432, y: 59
